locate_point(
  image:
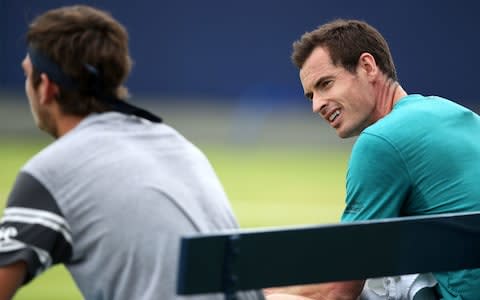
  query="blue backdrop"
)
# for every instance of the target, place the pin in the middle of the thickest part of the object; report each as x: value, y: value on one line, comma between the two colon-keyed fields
x: 219, y: 49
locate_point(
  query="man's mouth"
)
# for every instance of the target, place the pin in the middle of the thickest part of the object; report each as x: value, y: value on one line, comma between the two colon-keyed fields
x: 334, y: 115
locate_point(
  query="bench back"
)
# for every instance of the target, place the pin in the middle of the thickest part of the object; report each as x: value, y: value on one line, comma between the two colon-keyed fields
x: 254, y: 259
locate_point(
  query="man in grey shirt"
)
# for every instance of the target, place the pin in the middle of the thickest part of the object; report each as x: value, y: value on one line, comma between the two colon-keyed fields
x: 112, y: 195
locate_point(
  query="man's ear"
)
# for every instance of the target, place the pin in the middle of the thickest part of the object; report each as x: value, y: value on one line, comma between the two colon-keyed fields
x: 367, y: 63
x: 48, y: 90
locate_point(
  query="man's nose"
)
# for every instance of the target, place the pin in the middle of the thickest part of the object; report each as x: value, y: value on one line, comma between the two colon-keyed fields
x: 319, y: 105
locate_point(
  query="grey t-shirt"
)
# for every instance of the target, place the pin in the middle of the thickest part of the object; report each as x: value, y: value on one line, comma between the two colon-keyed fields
x: 110, y: 200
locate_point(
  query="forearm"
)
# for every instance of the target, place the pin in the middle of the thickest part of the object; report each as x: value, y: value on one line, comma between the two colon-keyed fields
x: 345, y: 290
x: 11, y: 278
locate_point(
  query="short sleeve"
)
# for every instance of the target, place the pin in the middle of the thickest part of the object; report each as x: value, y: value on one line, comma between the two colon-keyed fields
x: 33, y: 228
x: 378, y: 182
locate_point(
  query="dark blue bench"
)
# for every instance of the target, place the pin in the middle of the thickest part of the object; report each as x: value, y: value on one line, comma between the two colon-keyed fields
x: 255, y: 259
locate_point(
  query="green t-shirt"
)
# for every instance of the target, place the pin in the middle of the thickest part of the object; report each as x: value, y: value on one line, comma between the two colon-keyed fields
x: 422, y: 158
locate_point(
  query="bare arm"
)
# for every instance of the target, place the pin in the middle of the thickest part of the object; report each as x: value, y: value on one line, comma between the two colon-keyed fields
x: 345, y: 290
x: 11, y: 278
x: 285, y: 297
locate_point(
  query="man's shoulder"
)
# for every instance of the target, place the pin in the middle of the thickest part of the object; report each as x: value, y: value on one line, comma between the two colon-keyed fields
x: 101, y: 142
x: 415, y: 115
x: 51, y: 154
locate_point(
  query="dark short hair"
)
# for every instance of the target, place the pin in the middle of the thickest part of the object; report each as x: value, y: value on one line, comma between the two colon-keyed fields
x: 345, y: 41
x: 73, y: 37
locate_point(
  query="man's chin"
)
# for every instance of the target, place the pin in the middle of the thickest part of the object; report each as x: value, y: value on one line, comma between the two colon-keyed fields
x: 345, y: 134
x: 342, y: 134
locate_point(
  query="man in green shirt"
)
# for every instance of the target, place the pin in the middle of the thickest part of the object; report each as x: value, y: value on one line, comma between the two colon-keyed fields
x: 415, y: 155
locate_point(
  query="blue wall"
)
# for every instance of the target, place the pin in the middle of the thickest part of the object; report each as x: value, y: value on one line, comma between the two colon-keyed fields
x: 214, y: 48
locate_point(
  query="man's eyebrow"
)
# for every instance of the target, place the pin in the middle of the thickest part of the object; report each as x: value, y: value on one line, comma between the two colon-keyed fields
x: 317, y: 84
x: 322, y: 80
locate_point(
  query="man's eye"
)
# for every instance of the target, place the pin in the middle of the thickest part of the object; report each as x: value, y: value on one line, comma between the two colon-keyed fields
x: 326, y: 83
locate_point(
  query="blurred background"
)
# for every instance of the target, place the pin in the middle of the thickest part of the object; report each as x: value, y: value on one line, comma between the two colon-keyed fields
x: 231, y: 59
x: 220, y: 73
x: 237, y: 51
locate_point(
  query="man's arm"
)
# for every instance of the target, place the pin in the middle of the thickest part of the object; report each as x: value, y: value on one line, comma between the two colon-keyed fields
x: 33, y: 234
x: 344, y: 290
x: 11, y: 278
x: 285, y: 297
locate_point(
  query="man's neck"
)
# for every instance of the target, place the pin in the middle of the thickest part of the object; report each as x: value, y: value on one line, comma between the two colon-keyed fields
x: 66, y: 123
x: 389, y: 92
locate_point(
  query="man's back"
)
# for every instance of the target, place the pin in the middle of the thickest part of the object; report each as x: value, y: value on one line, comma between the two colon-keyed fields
x: 128, y: 189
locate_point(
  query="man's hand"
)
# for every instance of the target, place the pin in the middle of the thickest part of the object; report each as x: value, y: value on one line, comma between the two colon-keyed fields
x: 11, y: 278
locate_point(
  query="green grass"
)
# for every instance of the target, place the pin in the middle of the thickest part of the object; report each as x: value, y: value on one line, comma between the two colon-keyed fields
x: 275, y: 187
x: 267, y: 187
